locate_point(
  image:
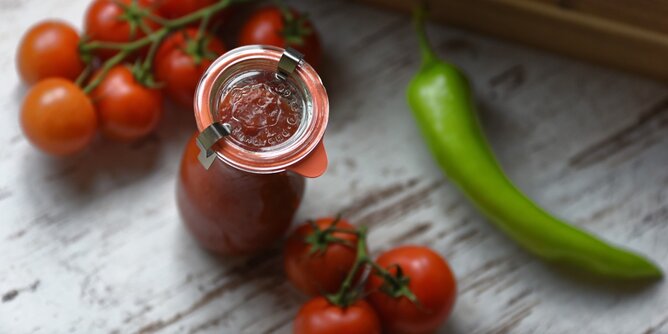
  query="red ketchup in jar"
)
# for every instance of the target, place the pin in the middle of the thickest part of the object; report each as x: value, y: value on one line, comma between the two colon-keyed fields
x: 262, y: 110
x: 261, y: 113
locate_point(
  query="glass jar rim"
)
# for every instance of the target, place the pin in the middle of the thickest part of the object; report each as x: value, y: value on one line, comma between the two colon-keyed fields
x: 271, y: 161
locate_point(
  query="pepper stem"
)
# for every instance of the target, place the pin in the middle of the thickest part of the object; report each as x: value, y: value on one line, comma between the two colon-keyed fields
x: 428, y: 54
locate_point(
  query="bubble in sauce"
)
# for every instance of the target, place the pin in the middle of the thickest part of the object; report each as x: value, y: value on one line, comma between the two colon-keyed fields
x: 262, y: 110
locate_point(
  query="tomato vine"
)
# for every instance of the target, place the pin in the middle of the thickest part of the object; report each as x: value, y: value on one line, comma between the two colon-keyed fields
x: 153, y: 38
x: 395, y: 285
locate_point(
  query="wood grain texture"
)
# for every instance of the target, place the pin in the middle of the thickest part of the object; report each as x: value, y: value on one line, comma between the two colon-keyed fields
x: 94, y: 244
x: 602, y: 31
x: 648, y: 14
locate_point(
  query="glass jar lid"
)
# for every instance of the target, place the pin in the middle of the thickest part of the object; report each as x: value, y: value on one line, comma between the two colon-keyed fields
x: 261, y: 109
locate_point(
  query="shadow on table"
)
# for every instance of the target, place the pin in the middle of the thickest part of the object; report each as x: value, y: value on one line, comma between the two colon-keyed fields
x: 252, y: 283
x: 108, y: 166
x: 594, y: 284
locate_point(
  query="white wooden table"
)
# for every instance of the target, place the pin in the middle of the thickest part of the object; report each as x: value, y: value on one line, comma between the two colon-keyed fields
x: 94, y: 244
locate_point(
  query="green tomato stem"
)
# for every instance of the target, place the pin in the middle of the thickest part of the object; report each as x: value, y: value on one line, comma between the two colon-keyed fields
x: 342, y: 298
x: 285, y: 10
x: 398, y: 284
x: 84, y: 74
x: 202, y: 28
x: 154, y: 38
x: 148, y: 61
x: 94, y: 45
x: 113, y: 61
x: 384, y: 273
x: 145, y: 28
x: 155, y: 18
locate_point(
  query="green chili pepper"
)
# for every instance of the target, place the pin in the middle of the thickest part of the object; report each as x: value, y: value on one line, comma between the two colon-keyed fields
x: 442, y: 105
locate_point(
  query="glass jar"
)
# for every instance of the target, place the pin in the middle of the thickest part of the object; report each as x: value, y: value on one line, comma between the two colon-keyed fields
x: 266, y: 110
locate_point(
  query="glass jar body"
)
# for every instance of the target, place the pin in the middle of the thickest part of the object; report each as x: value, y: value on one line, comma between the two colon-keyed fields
x: 233, y: 212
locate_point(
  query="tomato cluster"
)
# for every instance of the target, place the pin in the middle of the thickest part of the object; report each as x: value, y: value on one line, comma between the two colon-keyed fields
x: 113, y: 76
x: 408, y: 289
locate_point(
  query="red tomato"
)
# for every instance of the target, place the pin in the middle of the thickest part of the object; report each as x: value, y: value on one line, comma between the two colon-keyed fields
x: 269, y: 26
x: 177, y: 69
x: 176, y: 8
x: 127, y: 110
x: 321, y: 272
x: 172, y: 9
x: 431, y: 281
x: 57, y: 117
x: 49, y: 49
x: 104, y: 21
x: 318, y: 316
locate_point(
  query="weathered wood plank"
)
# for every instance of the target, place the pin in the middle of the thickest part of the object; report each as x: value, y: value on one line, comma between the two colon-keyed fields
x: 94, y: 244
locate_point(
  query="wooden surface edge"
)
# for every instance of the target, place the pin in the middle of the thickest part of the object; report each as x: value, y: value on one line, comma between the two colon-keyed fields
x: 562, y: 30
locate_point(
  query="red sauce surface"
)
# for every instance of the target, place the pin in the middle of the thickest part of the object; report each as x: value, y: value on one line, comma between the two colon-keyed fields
x: 263, y: 111
x: 234, y: 212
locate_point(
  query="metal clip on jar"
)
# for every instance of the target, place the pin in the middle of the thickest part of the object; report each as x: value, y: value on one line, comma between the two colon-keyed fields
x: 261, y: 112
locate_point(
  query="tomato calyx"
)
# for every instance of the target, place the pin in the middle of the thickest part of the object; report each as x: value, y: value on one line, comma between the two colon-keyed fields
x: 395, y: 285
x: 197, y: 48
x: 320, y: 239
x: 295, y: 28
x: 144, y: 75
x: 135, y: 14
x: 395, y: 282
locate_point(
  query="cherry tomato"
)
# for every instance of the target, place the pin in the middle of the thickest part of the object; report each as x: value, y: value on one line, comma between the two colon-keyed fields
x: 127, y: 110
x: 178, y: 69
x: 271, y: 27
x: 176, y: 8
x: 57, y: 117
x: 320, y: 272
x: 172, y: 9
x: 431, y: 281
x: 49, y: 49
x: 319, y: 316
x: 107, y: 21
